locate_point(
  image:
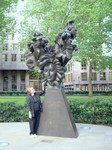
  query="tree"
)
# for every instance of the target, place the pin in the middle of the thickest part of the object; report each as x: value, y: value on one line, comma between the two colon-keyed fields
x: 92, y: 35
x: 36, y: 73
x: 6, y: 21
x: 92, y: 19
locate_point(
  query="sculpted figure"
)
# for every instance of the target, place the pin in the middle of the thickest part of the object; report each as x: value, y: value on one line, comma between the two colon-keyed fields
x: 36, y: 48
x: 52, y: 60
x: 63, y: 43
x: 53, y: 71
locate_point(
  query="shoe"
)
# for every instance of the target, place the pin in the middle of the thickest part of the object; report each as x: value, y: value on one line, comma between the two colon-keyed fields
x: 33, y: 135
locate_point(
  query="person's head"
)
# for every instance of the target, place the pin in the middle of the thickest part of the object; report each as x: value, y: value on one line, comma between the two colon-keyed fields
x: 30, y: 90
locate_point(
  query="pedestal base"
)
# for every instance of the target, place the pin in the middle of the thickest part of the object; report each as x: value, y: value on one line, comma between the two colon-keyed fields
x: 56, y: 118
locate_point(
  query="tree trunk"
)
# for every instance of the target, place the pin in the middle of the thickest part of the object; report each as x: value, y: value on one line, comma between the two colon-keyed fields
x: 90, y: 80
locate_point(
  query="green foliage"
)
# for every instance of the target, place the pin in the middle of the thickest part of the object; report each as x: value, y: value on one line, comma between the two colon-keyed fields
x: 87, y: 92
x: 7, y: 21
x: 11, y: 112
x: 93, y: 112
x: 92, y: 19
x: 24, y: 93
x: 36, y: 73
x: 87, y: 98
x: 13, y: 93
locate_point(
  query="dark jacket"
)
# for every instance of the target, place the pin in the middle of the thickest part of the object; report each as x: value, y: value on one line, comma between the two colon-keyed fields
x: 33, y: 101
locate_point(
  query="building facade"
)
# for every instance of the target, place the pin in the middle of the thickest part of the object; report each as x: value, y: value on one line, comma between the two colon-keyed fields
x: 14, y: 74
x: 77, y: 78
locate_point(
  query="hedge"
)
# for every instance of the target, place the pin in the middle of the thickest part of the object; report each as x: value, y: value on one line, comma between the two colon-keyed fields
x: 12, y: 112
x: 107, y: 93
x: 13, y: 93
x: 93, y: 112
x: 24, y: 93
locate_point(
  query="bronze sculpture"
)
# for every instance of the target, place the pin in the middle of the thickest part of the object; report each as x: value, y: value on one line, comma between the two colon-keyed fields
x: 56, y: 118
x: 52, y: 60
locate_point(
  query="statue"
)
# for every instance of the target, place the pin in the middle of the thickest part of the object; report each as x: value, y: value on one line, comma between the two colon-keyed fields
x: 52, y: 60
x: 56, y: 118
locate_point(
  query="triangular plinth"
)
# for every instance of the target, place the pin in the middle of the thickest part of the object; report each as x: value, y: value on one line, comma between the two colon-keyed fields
x: 56, y: 118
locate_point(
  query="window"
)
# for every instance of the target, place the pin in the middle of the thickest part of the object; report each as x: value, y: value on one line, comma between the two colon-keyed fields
x: 102, y: 87
x: 103, y: 76
x: 69, y: 87
x: 110, y: 75
x: 71, y: 66
x: 94, y: 76
x: 77, y: 87
x: 22, y: 57
x: 68, y: 67
x: 68, y: 77
x: 71, y: 77
x: 15, y: 46
x: 5, y: 47
x: 5, y: 57
x: 84, y: 76
x: 13, y: 57
x: 83, y: 66
x: 84, y: 87
x: 95, y: 87
x: 22, y: 87
x: 5, y: 80
x: 14, y: 81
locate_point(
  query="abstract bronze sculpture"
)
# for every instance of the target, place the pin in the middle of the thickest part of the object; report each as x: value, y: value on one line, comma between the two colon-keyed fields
x: 56, y: 118
x: 52, y: 60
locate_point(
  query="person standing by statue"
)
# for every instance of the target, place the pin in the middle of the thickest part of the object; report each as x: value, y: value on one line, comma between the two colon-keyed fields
x: 34, y: 108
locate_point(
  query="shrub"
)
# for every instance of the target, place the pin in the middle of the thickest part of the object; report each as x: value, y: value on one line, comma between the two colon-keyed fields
x: 11, y: 112
x: 94, y: 112
x: 24, y: 93
x: 87, y: 93
x: 13, y: 93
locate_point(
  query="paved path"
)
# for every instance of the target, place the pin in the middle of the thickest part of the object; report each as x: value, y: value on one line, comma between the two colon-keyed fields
x: 91, y: 137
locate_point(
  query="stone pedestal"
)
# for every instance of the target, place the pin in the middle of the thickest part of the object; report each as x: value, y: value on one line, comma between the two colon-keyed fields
x: 56, y: 118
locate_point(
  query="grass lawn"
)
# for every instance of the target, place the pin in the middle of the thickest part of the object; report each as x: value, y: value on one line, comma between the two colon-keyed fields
x: 22, y: 99
x: 17, y: 99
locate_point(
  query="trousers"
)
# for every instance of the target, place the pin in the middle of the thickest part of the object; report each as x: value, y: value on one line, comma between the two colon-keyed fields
x: 34, y: 122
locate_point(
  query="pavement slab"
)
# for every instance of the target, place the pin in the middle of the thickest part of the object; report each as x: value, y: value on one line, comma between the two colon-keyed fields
x: 91, y: 137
